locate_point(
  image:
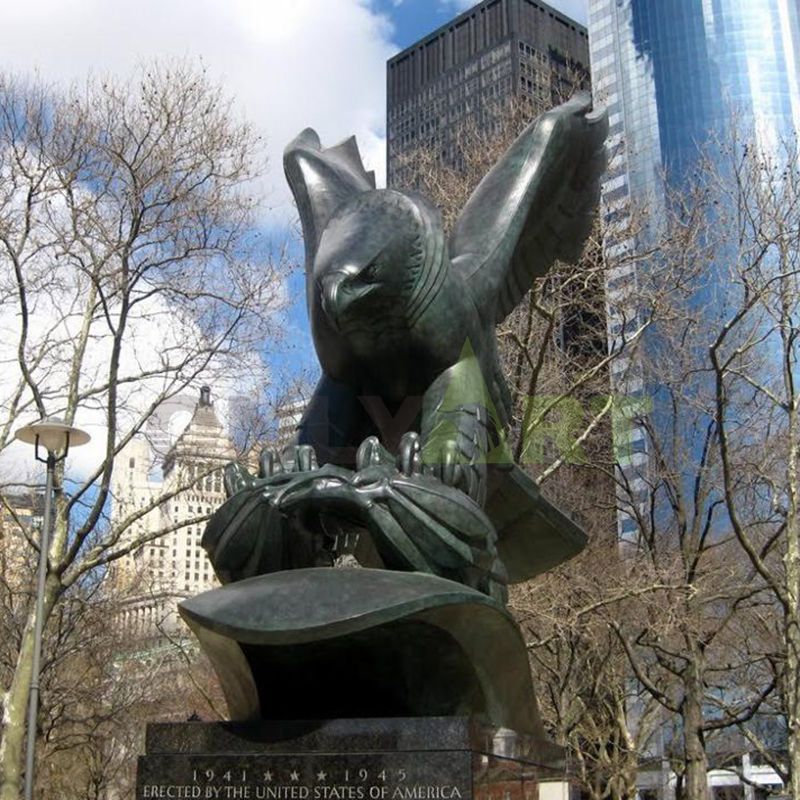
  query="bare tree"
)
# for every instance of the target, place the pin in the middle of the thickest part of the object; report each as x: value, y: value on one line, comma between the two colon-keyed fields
x: 102, y: 680
x: 581, y: 671
x: 556, y: 363
x: 713, y: 470
x: 702, y: 459
x: 753, y: 359
x: 132, y: 269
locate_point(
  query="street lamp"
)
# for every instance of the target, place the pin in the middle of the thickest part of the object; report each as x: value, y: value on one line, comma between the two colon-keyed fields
x: 55, y: 436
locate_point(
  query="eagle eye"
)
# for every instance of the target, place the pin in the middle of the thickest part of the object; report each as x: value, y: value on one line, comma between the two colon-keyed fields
x: 370, y: 272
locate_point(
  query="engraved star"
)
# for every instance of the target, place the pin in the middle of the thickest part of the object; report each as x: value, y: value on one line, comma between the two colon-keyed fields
x: 267, y: 776
x: 321, y: 775
x: 294, y: 775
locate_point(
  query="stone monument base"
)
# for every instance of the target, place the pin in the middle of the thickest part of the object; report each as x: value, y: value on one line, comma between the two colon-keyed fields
x: 435, y: 758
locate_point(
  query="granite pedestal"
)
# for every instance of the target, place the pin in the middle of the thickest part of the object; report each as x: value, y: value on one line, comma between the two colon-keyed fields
x: 438, y: 758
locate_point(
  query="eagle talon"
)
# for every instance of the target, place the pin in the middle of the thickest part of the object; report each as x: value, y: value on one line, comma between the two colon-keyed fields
x: 371, y: 453
x: 269, y: 464
x: 305, y: 458
x: 235, y: 478
x: 409, y: 454
x: 295, y: 458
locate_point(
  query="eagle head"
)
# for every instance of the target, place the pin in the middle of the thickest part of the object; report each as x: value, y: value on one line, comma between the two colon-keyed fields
x: 379, y: 261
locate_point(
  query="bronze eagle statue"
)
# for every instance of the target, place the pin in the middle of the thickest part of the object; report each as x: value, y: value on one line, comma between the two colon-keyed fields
x: 399, y: 464
x: 407, y: 420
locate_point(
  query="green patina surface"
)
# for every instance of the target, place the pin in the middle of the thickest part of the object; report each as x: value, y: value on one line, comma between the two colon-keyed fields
x: 408, y: 424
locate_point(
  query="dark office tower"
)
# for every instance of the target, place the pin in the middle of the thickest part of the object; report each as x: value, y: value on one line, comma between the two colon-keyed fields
x: 466, y: 69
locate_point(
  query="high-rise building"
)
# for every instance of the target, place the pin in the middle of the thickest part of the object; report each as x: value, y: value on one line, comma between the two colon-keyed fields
x: 678, y: 78
x: 288, y: 416
x: 466, y: 69
x: 21, y: 513
x: 676, y: 74
x: 166, y: 569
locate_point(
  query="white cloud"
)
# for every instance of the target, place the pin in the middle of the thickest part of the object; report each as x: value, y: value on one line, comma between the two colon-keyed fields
x: 158, y: 340
x: 163, y: 349
x: 457, y: 5
x: 290, y: 64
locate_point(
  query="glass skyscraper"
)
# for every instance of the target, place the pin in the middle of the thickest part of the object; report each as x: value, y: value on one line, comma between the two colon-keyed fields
x: 674, y: 72
x: 679, y: 77
x: 676, y: 75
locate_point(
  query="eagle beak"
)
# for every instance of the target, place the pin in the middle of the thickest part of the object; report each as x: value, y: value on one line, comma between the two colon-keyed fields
x: 339, y: 292
x: 331, y: 286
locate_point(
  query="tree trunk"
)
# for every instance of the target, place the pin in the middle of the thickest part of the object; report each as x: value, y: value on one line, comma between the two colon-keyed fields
x: 791, y: 564
x: 792, y: 690
x: 14, y: 711
x: 624, y: 786
x: 12, y: 734
x: 696, y: 774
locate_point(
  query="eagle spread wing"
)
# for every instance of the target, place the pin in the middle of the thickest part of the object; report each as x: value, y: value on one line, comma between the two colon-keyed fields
x: 533, y: 207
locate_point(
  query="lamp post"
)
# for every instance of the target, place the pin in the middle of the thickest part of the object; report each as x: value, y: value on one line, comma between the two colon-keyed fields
x: 56, y: 437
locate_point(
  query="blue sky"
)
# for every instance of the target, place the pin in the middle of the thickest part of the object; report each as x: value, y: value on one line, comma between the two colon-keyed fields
x: 413, y: 19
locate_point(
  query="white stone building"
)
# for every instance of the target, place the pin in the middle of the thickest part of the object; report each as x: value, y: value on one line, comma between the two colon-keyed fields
x: 172, y: 566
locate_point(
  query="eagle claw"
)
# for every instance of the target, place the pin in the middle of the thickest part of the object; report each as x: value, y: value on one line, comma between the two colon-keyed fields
x: 371, y: 453
x: 236, y: 478
x: 409, y: 454
x: 295, y: 458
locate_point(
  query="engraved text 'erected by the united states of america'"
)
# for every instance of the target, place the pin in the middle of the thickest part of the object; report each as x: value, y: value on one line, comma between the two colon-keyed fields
x: 434, y: 776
